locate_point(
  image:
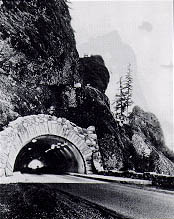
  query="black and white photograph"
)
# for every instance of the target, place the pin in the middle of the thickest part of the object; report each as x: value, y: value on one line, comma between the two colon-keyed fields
x: 86, y: 109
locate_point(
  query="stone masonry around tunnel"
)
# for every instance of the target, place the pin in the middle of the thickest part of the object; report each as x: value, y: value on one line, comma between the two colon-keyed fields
x: 24, y: 129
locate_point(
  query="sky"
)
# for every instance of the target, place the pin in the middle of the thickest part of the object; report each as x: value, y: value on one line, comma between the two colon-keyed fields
x: 136, y: 32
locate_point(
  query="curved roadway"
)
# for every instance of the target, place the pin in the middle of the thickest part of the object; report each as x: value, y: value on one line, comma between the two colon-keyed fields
x: 128, y: 200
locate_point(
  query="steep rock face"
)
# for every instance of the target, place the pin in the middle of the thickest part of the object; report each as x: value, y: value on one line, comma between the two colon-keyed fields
x: 147, y: 158
x: 148, y: 143
x: 37, y: 41
x: 39, y: 67
x: 94, y: 72
x: 148, y: 125
x: 38, y: 56
x: 111, y: 151
x: 137, y: 146
x: 93, y: 109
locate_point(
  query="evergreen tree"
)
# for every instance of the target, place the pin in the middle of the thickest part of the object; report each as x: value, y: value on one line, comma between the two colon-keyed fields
x: 123, y: 100
x: 128, y: 89
x: 120, y: 103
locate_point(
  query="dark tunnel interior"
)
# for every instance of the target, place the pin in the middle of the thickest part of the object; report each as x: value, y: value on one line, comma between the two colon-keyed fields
x: 49, y: 155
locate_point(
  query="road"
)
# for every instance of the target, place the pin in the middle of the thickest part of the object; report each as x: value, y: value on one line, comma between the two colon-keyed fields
x: 126, y: 200
x: 46, y: 178
x: 130, y: 201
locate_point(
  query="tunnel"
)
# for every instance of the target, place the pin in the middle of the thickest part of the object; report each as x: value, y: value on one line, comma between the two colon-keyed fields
x: 49, y: 154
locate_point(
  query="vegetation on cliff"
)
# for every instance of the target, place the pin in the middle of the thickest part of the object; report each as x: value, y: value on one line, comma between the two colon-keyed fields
x: 37, y: 42
x: 37, y: 56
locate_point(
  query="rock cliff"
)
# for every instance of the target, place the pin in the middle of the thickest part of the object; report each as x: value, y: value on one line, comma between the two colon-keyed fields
x: 37, y: 42
x: 38, y: 56
x: 94, y: 72
x: 148, y: 143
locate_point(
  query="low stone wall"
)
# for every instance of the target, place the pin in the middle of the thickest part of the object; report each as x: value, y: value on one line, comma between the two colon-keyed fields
x: 127, y: 174
x: 160, y: 180
x: 165, y: 181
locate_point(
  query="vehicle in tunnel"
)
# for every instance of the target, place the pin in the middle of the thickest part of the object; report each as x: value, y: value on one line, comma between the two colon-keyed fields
x: 49, y: 154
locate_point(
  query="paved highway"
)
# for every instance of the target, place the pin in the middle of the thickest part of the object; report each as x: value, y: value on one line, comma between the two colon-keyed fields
x: 46, y: 178
x: 127, y: 200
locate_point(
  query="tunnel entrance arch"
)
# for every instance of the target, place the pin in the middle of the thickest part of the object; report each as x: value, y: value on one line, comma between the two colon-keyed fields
x: 49, y: 154
x: 80, y: 143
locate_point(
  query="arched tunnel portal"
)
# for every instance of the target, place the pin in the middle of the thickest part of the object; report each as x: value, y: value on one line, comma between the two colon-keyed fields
x: 49, y: 154
x: 47, y: 144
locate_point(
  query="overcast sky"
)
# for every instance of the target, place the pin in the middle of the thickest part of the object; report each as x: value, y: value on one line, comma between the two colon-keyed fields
x: 143, y: 33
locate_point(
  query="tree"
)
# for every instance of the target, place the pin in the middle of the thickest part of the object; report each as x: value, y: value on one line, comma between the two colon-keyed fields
x: 120, y: 102
x: 128, y: 88
x: 123, y: 100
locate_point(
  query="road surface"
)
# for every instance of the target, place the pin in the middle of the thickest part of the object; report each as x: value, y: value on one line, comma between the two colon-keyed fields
x: 126, y: 200
x: 130, y: 201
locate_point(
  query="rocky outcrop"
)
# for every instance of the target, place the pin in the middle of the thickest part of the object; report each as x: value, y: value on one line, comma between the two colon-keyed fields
x: 138, y: 145
x: 94, y: 72
x: 39, y: 67
x: 112, y: 152
x: 37, y: 42
x: 148, y: 125
x: 148, y: 143
x: 38, y: 56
